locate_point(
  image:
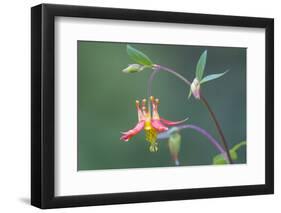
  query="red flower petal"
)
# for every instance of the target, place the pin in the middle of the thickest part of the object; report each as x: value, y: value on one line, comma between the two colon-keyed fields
x: 127, y: 135
x: 172, y: 123
x: 158, y: 125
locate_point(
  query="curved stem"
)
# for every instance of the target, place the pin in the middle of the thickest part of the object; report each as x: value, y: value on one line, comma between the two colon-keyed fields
x: 158, y: 67
x: 203, y: 99
x: 217, y: 126
x: 201, y: 131
x: 150, y: 80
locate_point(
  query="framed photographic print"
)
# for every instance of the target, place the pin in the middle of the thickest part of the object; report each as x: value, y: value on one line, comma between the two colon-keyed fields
x: 139, y: 106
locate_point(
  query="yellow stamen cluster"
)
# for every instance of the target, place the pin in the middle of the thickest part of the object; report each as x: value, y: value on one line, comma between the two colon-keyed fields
x: 151, y: 135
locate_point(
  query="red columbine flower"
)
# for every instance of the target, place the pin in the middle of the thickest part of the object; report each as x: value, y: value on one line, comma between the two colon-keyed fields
x: 151, y: 123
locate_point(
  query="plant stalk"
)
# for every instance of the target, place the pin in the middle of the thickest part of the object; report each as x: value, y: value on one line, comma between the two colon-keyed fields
x: 213, y: 116
x: 158, y: 67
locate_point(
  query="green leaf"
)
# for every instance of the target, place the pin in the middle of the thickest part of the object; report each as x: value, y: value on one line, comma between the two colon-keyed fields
x: 219, y: 159
x: 212, y: 77
x: 201, y: 65
x: 138, y: 56
x: 239, y: 145
x: 233, y: 154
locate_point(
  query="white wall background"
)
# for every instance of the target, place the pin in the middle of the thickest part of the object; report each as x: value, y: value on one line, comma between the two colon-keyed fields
x: 15, y: 105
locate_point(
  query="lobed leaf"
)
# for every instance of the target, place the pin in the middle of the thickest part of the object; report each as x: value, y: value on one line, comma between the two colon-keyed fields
x: 201, y: 66
x: 212, y: 77
x: 219, y: 159
x: 138, y: 56
x: 239, y: 145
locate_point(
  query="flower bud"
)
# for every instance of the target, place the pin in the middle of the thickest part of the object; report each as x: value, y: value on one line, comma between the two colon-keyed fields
x: 195, y: 88
x: 132, y: 68
x: 174, y: 144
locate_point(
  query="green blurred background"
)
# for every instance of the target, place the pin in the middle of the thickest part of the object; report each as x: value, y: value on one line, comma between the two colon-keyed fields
x: 106, y: 103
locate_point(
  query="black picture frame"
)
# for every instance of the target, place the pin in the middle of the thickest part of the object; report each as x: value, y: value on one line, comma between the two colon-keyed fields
x: 43, y: 102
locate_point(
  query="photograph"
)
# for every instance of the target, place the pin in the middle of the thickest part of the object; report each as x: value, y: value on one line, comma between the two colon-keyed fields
x: 141, y: 105
x: 144, y: 105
